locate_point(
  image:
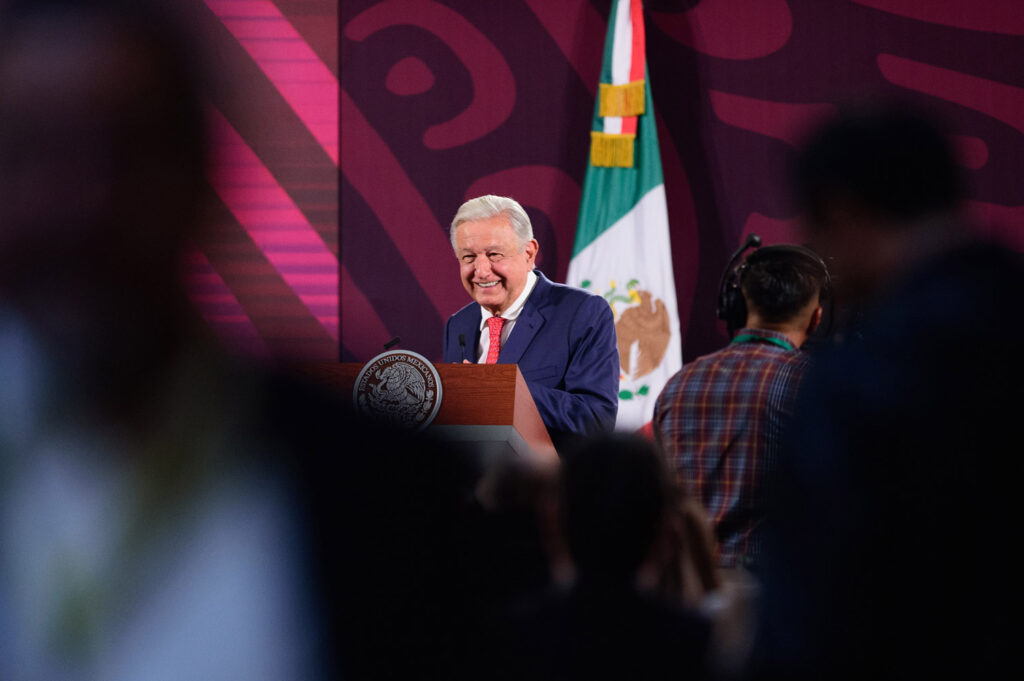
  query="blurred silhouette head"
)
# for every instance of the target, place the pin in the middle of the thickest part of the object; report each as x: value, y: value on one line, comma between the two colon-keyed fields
x: 102, y: 156
x: 615, y: 492
x: 877, y: 182
x: 101, y: 151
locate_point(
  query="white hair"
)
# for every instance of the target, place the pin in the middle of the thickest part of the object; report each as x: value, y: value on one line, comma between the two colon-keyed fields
x: 489, y: 206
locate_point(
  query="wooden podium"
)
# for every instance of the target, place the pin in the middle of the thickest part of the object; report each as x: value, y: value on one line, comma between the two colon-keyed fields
x: 485, y: 405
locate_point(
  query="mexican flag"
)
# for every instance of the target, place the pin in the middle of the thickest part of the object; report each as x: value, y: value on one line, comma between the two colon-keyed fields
x: 622, y: 248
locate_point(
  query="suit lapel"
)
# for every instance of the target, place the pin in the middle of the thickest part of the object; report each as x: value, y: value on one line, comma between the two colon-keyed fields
x: 528, y: 324
x: 470, y: 327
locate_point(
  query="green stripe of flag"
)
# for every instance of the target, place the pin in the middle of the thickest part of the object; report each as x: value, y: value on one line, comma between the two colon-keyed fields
x: 610, y: 193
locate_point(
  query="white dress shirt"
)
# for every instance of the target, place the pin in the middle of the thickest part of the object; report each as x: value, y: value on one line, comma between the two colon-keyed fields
x: 510, y: 316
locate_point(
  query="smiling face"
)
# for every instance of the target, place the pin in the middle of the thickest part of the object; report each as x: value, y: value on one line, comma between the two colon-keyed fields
x: 493, y: 264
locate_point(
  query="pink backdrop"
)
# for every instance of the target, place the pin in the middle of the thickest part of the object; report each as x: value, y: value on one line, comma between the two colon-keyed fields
x: 266, y: 275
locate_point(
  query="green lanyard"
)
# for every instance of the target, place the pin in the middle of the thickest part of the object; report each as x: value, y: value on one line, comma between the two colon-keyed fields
x: 750, y: 337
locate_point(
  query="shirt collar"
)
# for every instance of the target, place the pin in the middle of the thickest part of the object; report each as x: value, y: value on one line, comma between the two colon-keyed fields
x: 515, y: 308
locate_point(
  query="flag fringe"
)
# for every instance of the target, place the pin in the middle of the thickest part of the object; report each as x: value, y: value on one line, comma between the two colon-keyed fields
x: 621, y: 100
x: 609, y: 150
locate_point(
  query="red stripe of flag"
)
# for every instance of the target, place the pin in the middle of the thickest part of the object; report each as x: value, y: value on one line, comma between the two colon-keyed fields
x: 637, y: 60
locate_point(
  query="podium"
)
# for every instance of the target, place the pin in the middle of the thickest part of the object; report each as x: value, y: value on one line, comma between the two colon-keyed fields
x: 487, y: 406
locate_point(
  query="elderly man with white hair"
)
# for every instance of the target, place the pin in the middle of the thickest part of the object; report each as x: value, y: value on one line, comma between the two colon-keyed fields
x: 562, y: 338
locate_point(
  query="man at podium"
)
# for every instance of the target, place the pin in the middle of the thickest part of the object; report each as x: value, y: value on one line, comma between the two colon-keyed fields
x: 562, y: 338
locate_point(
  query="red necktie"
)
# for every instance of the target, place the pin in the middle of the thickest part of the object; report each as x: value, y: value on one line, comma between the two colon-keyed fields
x: 494, y: 324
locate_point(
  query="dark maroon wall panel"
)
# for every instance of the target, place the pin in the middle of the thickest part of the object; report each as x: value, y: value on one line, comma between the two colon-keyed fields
x: 441, y: 101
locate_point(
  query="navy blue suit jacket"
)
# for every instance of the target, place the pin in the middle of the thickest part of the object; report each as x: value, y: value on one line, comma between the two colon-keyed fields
x: 564, y: 343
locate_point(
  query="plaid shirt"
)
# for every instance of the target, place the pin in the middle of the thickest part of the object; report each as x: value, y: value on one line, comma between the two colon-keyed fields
x: 719, y: 422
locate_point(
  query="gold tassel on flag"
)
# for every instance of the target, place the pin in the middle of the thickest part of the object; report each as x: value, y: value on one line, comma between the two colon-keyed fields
x: 621, y: 100
x: 608, y: 150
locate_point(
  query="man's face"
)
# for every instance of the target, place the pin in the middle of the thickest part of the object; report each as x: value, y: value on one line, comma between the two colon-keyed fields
x: 493, y: 265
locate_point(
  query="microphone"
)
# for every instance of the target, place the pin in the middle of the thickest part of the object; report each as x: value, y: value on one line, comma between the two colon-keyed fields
x: 462, y: 344
x: 393, y: 342
x: 752, y: 241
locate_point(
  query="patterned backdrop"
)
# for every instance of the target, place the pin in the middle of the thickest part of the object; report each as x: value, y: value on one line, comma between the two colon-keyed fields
x: 266, y: 274
x: 441, y: 101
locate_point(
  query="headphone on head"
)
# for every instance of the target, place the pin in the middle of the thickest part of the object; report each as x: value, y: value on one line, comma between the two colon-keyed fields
x: 732, y: 308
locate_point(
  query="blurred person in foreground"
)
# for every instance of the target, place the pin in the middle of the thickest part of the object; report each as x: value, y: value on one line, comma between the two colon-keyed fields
x: 719, y: 420
x: 613, y: 621
x: 164, y: 512
x: 898, y: 484
x: 145, y: 533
